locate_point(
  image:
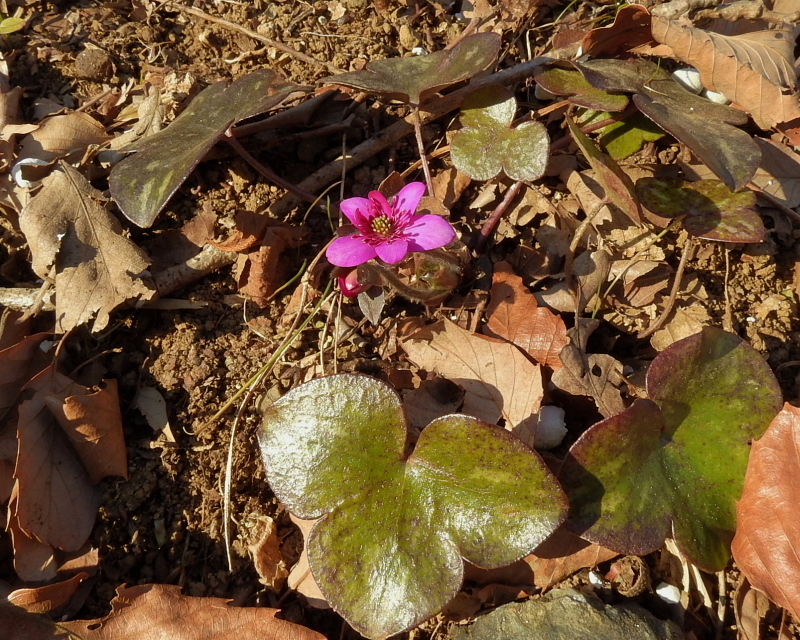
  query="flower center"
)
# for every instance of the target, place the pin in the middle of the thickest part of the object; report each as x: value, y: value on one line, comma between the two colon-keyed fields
x: 382, y: 225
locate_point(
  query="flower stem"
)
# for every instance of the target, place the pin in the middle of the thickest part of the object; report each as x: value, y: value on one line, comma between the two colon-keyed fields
x: 423, y: 157
x: 491, y: 224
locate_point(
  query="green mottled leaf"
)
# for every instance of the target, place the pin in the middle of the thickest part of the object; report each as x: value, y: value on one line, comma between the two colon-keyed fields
x: 395, y: 528
x: 615, y: 182
x: 702, y: 125
x: 674, y: 465
x: 415, y: 79
x: 563, y: 79
x: 488, y: 144
x: 143, y: 183
x: 712, y: 210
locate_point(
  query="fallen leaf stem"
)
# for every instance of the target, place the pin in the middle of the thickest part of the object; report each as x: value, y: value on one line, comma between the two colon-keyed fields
x: 688, y: 249
x: 423, y: 157
x: 494, y: 219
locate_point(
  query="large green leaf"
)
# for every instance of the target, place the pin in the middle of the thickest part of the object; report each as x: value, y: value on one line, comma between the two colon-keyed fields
x: 712, y: 211
x: 387, y: 552
x: 488, y: 144
x: 673, y: 466
x: 415, y: 79
x: 143, y: 183
x: 702, y: 125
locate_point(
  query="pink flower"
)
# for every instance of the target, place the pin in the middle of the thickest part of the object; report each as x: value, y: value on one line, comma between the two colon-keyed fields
x: 388, y: 230
x: 349, y: 284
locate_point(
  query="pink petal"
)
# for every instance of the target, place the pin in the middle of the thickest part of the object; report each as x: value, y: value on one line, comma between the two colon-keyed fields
x: 409, y: 196
x: 354, y: 209
x: 381, y: 201
x: 392, y: 252
x: 349, y: 251
x: 429, y: 232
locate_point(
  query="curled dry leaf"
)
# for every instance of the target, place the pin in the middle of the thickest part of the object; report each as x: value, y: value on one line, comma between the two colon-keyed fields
x: 160, y: 611
x: 768, y: 533
x: 755, y: 70
x: 596, y: 375
x: 513, y: 314
x: 499, y: 380
x: 47, y: 598
x: 71, y: 235
x: 61, y: 136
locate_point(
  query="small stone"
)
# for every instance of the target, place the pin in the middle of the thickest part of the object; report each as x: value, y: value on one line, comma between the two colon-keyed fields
x: 408, y: 39
x: 93, y: 64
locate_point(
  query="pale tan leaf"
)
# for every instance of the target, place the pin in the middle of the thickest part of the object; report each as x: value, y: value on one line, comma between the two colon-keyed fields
x: 266, y: 553
x: 96, y: 268
x: 60, y: 135
x: 597, y: 375
x: 300, y: 578
x: 499, y: 380
x: 779, y: 172
x: 160, y: 612
x: 49, y: 597
x: 754, y: 70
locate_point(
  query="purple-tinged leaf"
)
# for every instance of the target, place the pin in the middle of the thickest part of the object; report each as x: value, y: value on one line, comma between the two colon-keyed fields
x: 674, y: 465
x: 563, y: 79
x: 417, y: 78
x: 712, y: 211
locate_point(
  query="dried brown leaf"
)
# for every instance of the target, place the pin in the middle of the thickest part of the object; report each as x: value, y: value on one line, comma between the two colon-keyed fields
x: 266, y: 554
x: 21, y: 625
x: 768, y: 531
x: 18, y: 364
x: 563, y: 554
x: 34, y: 561
x: 433, y: 399
x: 499, y: 380
x: 754, y: 70
x: 93, y: 423
x: 160, y: 611
x: 596, y: 375
x: 56, y: 501
x: 300, y: 577
x: 631, y: 28
x: 261, y: 272
x: 513, y: 314
x: 96, y: 268
x: 47, y: 598
x: 59, y: 136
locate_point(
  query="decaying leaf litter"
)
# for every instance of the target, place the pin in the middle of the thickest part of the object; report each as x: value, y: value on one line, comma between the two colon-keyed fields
x: 542, y: 234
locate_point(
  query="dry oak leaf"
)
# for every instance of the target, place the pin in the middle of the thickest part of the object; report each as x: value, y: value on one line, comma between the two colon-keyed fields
x: 515, y: 315
x: 500, y: 381
x: 754, y: 70
x: 49, y: 597
x: 96, y: 268
x: 767, y: 538
x: 63, y: 135
x: 595, y: 375
x: 160, y: 612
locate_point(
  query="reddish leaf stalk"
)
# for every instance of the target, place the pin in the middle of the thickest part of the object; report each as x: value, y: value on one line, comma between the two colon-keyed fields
x: 491, y: 224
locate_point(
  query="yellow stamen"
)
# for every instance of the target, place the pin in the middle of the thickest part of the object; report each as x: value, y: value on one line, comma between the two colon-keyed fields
x: 382, y: 225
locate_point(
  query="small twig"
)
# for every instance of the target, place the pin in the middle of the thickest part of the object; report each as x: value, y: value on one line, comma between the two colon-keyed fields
x: 256, y: 36
x: 421, y: 147
x: 727, y: 319
x: 494, y: 219
x: 209, y: 259
x: 265, y: 171
x: 673, y: 294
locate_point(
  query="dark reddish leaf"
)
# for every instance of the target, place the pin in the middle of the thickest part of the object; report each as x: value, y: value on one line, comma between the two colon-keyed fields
x: 767, y: 542
x: 415, y: 79
x: 702, y: 125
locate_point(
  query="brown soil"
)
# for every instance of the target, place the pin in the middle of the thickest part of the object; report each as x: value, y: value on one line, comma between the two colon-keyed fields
x: 165, y: 523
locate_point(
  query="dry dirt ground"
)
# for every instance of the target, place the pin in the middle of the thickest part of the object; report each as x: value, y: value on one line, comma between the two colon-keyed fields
x: 165, y: 524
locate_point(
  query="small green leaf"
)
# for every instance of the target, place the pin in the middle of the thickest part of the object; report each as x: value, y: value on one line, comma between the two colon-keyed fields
x: 674, y: 466
x: 712, y: 210
x: 615, y: 182
x: 387, y: 553
x: 703, y: 126
x: 625, y: 137
x: 143, y: 183
x: 415, y: 79
x: 10, y: 25
x: 488, y: 144
x: 562, y: 80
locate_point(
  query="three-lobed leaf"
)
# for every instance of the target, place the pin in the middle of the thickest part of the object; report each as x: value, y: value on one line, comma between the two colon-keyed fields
x: 414, y: 79
x: 488, y: 144
x: 388, y: 550
x: 712, y: 210
x: 673, y: 466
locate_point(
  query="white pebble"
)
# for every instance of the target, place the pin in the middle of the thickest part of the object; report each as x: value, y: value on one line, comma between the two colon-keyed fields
x: 668, y: 593
x: 595, y: 579
x: 550, y: 429
x: 689, y: 79
x: 715, y: 96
